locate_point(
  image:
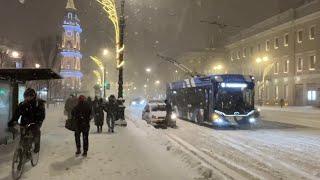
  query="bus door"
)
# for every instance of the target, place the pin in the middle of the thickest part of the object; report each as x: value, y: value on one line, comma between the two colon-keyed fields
x: 206, y: 106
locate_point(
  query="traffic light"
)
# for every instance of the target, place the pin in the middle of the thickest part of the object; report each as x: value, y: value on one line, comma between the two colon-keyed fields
x: 107, y: 85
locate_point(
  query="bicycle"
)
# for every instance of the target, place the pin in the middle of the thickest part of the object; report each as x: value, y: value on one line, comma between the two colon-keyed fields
x: 24, y: 152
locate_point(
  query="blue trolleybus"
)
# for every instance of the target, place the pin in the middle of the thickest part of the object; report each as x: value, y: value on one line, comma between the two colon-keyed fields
x: 219, y: 100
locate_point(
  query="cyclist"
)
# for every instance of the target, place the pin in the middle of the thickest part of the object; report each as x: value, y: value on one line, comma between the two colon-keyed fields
x: 31, y: 110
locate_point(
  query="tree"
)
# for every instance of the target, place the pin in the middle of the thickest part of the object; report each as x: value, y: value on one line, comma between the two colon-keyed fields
x: 45, y: 51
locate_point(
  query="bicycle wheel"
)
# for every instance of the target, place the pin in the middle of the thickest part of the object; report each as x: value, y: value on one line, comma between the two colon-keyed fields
x: 17, y: 164
x: 34, y: 156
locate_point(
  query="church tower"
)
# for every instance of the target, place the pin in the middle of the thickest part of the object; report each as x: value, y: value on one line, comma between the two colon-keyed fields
x: 71, y: 56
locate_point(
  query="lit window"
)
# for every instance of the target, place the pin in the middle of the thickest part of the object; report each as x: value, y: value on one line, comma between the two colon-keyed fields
x: 276, y: 43
x: 299, y: 36
x: 286, y: 40
x: 299, y: 65
x: 244, y: 52
x: 286, y: 91
x: 286, y: 66
x: 251, y: 50
x: 276, y: 68
x: 312, y: 95
x: 312, y: 63
x: 276, y: 92
x: 267, y: 92
x: 267, y: 45
x: 312, y: 32
x: 70, y: 15
x: 69, y: 33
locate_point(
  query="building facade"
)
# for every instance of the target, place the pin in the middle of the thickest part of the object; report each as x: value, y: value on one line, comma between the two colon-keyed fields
x: 71, y: 56
x: 283, y: 54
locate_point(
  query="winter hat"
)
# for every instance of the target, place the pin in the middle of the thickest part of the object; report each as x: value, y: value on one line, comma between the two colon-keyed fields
x: 82, y: 98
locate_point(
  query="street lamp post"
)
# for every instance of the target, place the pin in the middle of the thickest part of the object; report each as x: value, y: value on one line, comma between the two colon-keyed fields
x: 121, y: 51
x: 103, y: 68
x: 265, y: 72
x: 148, y: 71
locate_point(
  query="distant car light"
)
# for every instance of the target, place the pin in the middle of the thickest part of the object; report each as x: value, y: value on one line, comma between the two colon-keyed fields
x: 173, y: 116
x: 134, y: 103
x: 252, y: 120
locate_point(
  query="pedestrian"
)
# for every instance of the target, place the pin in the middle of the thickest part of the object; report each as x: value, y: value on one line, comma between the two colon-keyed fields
x: 82, y: 116
x: 98, y: 113
x: 168, y: 113
x: 90, y: 102
x: 111, y: 108
x: 71, y: 102
x: 282, y: 103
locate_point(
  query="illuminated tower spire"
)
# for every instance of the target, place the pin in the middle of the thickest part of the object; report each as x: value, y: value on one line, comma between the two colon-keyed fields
x: 70, y: 54
x: 70, y: 5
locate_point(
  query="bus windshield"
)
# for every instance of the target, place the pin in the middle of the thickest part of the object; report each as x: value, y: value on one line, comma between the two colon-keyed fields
x: 231, y: 101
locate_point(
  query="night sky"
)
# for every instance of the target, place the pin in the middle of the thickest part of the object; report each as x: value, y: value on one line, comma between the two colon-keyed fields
x: 167, y: 26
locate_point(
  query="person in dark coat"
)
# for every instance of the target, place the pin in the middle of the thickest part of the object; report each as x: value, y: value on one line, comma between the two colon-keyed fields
x: 31, y: 110
x: 82, y: 116
x: 90, y: 102
x: 282, y: 103
x: 111, y: 108
x: 98, y: 113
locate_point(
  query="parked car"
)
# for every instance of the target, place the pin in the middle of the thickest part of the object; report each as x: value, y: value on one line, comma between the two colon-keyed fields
x: 155, y: 113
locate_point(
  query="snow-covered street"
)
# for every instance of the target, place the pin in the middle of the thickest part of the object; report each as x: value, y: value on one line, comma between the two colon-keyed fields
x: 130, y: 153
x: 272, y: 151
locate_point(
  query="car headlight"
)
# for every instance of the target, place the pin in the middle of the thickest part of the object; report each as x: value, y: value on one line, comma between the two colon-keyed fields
x: 173, y: 116
x: 134, y: 103
x: 142, y: 102
x: 258, y: 109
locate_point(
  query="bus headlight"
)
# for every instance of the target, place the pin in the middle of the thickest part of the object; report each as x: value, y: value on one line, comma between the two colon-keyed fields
x: 173, y: 116
x: 252, y: 120
x: 215, y: 116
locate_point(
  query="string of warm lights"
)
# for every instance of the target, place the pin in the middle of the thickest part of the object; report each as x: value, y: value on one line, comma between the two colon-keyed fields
x: 109, y: 6
x: 97, y: 61
x: 98, y: 75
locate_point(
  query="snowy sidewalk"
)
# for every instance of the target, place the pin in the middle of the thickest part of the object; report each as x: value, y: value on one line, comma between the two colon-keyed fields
x: 127, y: 154
x: 304, y: 116
x: 303, y: 109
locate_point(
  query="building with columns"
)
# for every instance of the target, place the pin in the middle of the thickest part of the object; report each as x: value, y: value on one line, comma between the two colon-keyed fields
x: 283, y: 53
x: 71, y: 56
